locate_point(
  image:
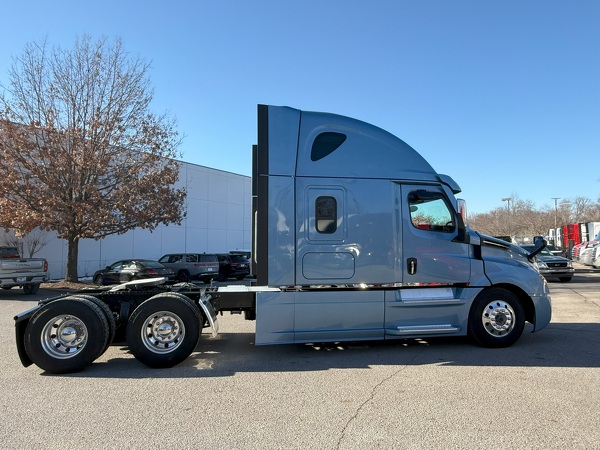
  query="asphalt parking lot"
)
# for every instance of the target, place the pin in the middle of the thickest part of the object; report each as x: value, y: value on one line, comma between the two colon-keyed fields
x: 541, y: 393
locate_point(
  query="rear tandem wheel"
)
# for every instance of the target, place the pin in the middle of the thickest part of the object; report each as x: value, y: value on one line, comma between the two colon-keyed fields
x: 66, y: 335
x: 164, y: 330
x: 110, y: 318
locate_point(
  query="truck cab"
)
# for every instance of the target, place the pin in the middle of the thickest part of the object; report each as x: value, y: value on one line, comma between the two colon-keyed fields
x: 340, y: 204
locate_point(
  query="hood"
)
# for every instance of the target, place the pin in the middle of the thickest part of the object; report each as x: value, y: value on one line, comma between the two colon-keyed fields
x: 495, y: 242
x: 551, y: 259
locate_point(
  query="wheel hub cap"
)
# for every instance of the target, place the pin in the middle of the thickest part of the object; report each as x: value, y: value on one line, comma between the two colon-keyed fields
x: 64, y: 336
x: 498, y: 318
x: 163, y: 332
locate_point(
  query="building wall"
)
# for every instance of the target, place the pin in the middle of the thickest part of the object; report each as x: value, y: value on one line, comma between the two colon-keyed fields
x: 218, y: 220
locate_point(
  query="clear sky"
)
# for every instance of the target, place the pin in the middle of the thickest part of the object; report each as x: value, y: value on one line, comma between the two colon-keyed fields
x: 504, y: 96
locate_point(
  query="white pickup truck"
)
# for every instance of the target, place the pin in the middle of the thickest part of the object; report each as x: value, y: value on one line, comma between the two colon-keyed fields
x: 27, y: 273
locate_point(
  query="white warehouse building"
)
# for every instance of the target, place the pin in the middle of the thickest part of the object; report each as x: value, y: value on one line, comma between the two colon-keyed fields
x: 218, y: 221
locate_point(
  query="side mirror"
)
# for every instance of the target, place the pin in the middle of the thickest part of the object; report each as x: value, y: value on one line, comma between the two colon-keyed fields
x: 540, y: 244
x: 462, y: 235
x: 462, y: 208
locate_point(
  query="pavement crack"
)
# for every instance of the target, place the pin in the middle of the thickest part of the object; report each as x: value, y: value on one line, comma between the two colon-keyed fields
x: 374, y: 390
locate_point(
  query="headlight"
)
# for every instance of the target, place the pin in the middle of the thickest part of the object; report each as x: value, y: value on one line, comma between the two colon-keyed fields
x: 542, y: 265
x: 569, y: 264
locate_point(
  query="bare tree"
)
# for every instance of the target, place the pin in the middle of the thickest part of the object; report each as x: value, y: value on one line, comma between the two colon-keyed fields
x: 9, y: 239
x: 34, y: 241
x: 523, y: 220
x: 580, y: 207
x: 80, y: 151
x: 595, y: 211
x: 29, y: 244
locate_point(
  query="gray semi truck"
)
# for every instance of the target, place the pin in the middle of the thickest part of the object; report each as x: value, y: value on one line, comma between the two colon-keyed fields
x: 355, y: 237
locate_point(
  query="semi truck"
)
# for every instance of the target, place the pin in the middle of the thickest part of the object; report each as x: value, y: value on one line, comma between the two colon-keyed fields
x: 355, y: 237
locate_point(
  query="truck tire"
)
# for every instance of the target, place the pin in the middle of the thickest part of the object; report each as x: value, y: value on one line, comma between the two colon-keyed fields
x: 110, y: 318
x: 164, y: 330
x: 496, y: 319
x: 29, y: 289
x: 66, y: 335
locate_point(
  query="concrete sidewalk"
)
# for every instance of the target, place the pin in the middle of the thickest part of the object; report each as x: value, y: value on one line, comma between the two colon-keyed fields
x: 582, y: 268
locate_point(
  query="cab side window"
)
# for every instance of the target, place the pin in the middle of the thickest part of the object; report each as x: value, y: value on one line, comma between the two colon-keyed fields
x: 430, y: 211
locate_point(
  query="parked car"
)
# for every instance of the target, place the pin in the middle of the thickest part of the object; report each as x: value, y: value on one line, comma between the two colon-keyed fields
x: 132, y: 269
x: 588, y: 252
x: 554, y: 250
x: 575, y: 251
x: 245, y: 253
x: 596, y: 260
x: 552, y: 266
x: 233, y: 266
x: 192, y: 266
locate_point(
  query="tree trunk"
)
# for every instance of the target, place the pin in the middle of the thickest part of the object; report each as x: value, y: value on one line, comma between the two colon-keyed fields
x: 72, y: 258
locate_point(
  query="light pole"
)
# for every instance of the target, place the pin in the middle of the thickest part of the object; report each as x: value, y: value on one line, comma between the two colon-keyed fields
x: 507, y: 200
x: 556, y: 199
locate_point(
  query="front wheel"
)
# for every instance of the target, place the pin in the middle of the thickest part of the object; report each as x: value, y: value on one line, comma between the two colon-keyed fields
x: 496, y: 319
x: 164, y: 330
x: 66, y: 335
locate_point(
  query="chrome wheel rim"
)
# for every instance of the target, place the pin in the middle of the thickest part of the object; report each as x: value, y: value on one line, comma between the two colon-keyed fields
x: 498, y: 318
x: 64, y: 336
x: 163, y: 332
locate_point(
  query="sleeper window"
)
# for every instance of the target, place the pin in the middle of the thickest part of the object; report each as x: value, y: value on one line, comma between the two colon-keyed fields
x: 325, y: 144
x: 326, y: 214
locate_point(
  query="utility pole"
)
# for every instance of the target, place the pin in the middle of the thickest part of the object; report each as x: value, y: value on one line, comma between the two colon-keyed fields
x: 556, y: 199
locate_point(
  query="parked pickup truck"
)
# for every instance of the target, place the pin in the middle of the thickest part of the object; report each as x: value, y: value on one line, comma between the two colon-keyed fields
x: 27, y: 273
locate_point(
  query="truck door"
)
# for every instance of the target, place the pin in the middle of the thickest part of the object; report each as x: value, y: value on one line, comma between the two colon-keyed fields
x: 433, y: 252
x: 434, y: 258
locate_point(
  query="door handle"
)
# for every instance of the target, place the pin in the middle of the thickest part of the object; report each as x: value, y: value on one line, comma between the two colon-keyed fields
x: 411, y: 266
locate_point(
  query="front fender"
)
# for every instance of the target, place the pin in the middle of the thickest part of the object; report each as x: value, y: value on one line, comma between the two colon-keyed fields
x: 529, y: 282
